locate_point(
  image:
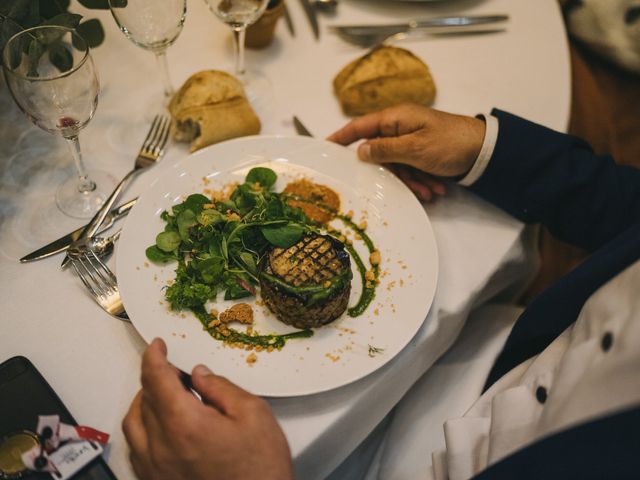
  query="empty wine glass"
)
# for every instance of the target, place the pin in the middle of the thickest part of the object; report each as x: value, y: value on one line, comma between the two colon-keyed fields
x: 51, y: 76
x: 152, y: 25
x: 239, y: 14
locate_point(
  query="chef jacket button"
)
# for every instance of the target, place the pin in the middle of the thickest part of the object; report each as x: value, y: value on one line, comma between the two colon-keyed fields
x: 607, y: 341
x: 541, y: 394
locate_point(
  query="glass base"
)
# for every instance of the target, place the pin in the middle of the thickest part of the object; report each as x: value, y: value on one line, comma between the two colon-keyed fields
x: 258, y: 89
x: 77, y: 204
x: 157, y: 104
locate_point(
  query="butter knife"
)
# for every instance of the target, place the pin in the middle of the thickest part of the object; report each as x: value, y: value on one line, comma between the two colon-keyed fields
x: 436, y: 23
x: 289, y: 21
x: 300, y: 128
x: 60, y: 245
x: 312, y: 15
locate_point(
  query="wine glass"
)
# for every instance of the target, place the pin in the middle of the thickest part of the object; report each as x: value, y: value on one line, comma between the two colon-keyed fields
x: 51, y: 76
x: 152, y: 25
x: 239, y: 14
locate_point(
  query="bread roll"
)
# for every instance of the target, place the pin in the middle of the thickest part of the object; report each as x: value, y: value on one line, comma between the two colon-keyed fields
x: 384, y: 77
x: 211, y: 107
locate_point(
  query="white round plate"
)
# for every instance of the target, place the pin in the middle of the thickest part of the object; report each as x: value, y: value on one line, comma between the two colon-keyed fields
x: 337, y: 354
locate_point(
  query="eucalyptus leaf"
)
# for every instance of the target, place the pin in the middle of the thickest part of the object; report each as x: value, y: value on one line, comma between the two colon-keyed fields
x: 16, y: 54
x: 69, y: 20
x: 264, y: 176
x: 60, y: 57
x: 17, y: 15
x: 36, y: 50
x: 91, y: 31
x: 95, y: 4
x: 283, y: 236
x: 168, y: 241
x: 50, y: 8
x: 16, y: 9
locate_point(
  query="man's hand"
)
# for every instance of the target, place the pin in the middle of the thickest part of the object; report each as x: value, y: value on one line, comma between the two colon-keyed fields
x: 425, y: 142
x: 172, y: 435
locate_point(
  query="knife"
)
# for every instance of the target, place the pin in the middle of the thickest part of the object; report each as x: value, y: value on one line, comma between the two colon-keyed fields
x: 300, y: 128
x: 312, y: 16
x: 435, y: 23
x: 63, y: 243
x: 289, y: 21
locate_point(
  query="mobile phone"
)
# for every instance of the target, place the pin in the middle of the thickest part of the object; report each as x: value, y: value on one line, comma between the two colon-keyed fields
x: 24, y: 395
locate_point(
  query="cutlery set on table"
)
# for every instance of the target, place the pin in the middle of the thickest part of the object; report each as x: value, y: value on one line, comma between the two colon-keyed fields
x: 86, y: 251
x: 371, y: 35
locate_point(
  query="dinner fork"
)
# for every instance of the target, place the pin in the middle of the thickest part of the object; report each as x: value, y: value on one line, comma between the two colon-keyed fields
x: 98, y: 278
x: 150, y: 152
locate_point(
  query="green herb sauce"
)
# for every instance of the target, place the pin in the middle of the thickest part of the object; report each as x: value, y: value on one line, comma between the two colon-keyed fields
x: 368, y: 293
x: 265, y: 341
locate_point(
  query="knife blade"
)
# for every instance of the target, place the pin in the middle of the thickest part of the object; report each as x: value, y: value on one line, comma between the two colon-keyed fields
x: 311, y: 13
x: 300, y: 128
x: 61, y: 244
x: 436, y: 23
x: 289, y: 21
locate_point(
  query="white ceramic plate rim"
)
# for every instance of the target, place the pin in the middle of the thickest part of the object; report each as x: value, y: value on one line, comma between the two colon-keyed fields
x: 167, y: 189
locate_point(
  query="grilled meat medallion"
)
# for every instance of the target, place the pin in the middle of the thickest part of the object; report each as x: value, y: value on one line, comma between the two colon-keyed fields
x: 307, y: 285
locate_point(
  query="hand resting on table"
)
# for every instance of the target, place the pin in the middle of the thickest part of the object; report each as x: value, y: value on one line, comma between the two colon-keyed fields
x: 418, y: 143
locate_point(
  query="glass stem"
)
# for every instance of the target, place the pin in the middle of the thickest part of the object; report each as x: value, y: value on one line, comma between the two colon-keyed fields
x: 85, y: 184
x: 238, y: 36
x: 163, y: 66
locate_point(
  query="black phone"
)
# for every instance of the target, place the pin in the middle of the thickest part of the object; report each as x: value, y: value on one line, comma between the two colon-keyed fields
x: 25, y: 394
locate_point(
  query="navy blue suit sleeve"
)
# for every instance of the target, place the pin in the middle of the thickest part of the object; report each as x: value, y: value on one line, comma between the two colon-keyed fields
x: 542, y: 176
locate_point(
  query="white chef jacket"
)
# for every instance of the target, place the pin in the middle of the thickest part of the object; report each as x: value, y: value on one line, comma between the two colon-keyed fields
x: 591, y: 370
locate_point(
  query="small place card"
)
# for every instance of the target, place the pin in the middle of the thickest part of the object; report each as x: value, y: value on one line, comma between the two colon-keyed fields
x: 71, y: 457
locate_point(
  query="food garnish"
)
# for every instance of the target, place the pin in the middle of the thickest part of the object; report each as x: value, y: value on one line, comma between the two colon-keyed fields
x: 235, y: 246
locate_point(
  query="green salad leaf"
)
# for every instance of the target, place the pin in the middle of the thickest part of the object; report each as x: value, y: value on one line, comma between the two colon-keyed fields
x: 219, y: 245
x: 283, y: 236
x: 264, y: 176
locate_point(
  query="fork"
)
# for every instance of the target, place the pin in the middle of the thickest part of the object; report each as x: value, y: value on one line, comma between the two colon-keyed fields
x: 150, y: 152
x: 373, y: 39
x: 98, y: 278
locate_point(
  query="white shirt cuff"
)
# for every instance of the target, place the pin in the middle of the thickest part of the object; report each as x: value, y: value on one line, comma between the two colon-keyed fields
x: 488, y: 144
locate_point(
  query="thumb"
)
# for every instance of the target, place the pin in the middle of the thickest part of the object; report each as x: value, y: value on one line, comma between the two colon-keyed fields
x: 391, y: 150
x: 217, y: 391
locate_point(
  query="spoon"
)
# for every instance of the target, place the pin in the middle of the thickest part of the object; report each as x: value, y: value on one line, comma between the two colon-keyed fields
x: 101, y: 246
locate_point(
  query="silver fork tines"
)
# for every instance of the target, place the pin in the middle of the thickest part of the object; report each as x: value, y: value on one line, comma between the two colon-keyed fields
x: 100, y: 281
x: 153, y: 146
x: 150, y: 152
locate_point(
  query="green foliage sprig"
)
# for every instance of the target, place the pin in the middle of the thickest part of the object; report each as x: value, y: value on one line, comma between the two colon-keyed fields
x: 18, y: 15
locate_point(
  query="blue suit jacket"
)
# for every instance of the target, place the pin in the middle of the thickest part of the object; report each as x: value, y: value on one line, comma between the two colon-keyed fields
x: 541, y: 176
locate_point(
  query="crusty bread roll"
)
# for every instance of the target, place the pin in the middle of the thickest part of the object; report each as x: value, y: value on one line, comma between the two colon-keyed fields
x: 383, y: 77
x: 211, y: 107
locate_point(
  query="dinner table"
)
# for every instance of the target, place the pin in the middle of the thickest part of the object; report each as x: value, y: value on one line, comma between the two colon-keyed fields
x: 92, y: 360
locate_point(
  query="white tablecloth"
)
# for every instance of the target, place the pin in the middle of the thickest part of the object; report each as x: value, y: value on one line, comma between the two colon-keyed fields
x: 92, y: 360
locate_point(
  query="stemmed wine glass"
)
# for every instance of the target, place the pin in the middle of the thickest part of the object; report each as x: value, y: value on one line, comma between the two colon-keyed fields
x: 239, y: 14
x: 51, y: 76
x: 152, y: 25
